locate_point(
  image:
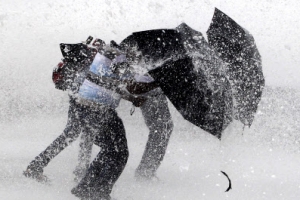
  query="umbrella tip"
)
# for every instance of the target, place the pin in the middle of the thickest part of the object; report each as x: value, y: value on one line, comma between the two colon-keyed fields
x: 183, y: 24
x: 217, y: 10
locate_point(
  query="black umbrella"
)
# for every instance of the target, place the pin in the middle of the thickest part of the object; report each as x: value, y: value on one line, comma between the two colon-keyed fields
x: 189, y: 72
x: 236, y: 46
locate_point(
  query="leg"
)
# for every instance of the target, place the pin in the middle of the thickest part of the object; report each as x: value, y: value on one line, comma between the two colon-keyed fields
x: 84, y: 156
x: 158, y: 119
x: 108, y: 165
x: 70, y: 133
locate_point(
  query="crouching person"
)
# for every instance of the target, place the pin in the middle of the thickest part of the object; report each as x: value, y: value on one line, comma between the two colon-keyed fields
x: 109, y: 135
x: 92, y: 111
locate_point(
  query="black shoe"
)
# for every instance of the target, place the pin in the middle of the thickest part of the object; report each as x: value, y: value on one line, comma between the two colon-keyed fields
x: 145, y: 175
x: 36, y: 174
x: 89, y: 194
x: 79, y: 174
x: 96, y: 198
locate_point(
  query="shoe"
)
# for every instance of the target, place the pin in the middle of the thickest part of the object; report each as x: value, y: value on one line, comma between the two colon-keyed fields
x: 79, y: 174
x: 144, y: 176
x: 97, y: 198
x: 36, y: 174
x: 89, y: 194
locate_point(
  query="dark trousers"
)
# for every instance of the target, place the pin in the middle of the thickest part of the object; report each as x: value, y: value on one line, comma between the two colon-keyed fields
x: 108, y: 165
x: 103, y: 127
x: 158, y: 119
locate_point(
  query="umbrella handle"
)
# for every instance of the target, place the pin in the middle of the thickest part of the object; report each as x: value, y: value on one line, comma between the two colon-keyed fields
x: 229, y: 187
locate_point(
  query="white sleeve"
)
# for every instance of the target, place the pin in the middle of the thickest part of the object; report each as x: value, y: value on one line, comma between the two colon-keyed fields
x: 143, y: 78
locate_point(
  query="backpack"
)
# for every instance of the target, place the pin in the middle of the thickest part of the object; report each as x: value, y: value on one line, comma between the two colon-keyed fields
x: 76, y: 58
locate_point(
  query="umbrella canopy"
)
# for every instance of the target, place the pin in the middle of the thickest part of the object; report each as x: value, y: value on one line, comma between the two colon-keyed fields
x: 210, y: 69
x: 155, y: 46
x: 236, y: 46
x: 190, y: 74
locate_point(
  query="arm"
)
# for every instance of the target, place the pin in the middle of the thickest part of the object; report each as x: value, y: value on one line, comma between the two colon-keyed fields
x: 139, y: 87
x: 129, y: 92
x: 137, y: 101
x: 132, y: 86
